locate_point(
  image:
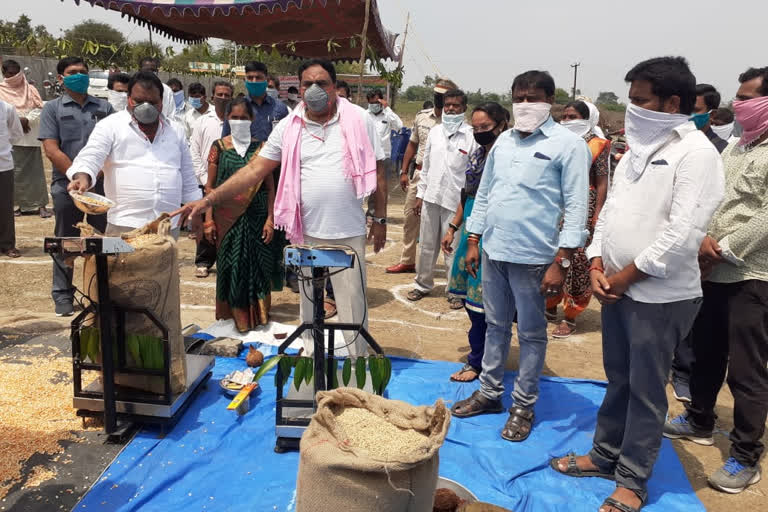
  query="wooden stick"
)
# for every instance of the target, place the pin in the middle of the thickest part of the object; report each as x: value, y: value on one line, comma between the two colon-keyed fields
x: 362, y: 50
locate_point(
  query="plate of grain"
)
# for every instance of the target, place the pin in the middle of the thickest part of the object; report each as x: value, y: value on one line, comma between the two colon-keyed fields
x: 91, y: 203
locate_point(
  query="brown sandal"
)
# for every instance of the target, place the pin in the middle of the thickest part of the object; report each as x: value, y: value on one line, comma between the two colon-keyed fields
x: 519, y: 424
x: 464, y: 369
x: 415, y: 295
x: 564, y: 329
x: 474, y: 405
x: 12, y: 253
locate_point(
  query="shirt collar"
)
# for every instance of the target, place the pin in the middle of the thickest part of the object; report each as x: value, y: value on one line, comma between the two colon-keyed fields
x: 66, y: 98
x: 547, y: 127
x: 685, y: 128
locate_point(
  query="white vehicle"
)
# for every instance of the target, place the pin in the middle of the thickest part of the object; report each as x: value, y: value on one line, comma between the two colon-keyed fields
x: 97, y: 85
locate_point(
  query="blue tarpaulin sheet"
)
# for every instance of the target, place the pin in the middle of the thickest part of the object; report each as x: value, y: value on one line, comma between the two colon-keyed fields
x: 214, y: 460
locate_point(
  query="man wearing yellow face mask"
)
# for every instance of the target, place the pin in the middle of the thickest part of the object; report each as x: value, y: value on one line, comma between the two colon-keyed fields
x: 66, y: 124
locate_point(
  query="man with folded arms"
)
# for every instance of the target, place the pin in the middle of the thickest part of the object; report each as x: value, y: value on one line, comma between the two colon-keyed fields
x: 644, y: 270
x: 730, y: 335
x: 535, y: 176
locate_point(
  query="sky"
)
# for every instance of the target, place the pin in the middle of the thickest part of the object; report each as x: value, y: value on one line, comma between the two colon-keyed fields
x: 483, y: 44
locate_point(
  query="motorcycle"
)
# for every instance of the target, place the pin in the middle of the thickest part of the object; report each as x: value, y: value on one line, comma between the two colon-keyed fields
x: 51, y: 87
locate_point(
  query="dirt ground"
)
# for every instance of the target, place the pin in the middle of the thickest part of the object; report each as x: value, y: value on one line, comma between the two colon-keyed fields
x: 428, y: 329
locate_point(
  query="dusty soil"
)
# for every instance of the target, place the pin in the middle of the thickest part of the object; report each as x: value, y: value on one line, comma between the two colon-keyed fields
x: 428, y: 329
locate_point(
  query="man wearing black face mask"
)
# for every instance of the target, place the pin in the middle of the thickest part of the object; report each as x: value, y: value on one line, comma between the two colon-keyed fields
x: 425, y: 120
x: 145, y: 159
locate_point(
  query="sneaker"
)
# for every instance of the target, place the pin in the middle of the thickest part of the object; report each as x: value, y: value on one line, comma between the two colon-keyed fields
x: 64, y: 309
x: 734, y: 477
x: 681, y: 390
x: 680, y: 428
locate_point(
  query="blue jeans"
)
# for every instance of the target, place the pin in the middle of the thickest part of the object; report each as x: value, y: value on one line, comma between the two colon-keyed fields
x: 508, y: 287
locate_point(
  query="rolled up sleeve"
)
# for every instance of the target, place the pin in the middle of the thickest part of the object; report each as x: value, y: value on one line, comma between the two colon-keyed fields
x: 190, y: 191
x: 698, y: 191
x: 575, y: 186
x: 90, y: 160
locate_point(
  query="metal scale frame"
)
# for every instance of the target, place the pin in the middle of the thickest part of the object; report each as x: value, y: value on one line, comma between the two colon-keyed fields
x: 289, y: 429
x: 109, y: 401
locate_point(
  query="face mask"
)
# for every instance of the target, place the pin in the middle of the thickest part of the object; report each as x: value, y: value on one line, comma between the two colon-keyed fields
x: 485, y: 138
x: 241, y: 135
x: 77, y: 83
x: 316, y: 99
x: 724, y: 131
x: 146, y: 113
x: 700, y: 120
x: 256, y: 89
x: 273, y: 93
x: 529, y: 116
x: 438, y: 101
x: 178, y: 97
x: 374, y: 108
x: 752, y: 115
x: 196, y: 103
x: 118, y: 100
x: 647, y: 131
x: 293, y: 96
x: 580, y: 127
x: 451, y: 122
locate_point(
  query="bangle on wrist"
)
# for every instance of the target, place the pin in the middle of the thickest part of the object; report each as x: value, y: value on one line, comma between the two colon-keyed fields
x: 596, y: 268
x: 453, y: 226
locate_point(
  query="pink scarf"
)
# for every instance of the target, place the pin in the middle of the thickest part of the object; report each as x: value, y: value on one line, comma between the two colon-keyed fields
x: 359, y: 166
x: 19, y: 93
x: 752, y: 115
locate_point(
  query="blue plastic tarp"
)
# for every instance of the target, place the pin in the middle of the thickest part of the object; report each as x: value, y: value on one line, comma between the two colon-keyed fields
x: 214, y: 460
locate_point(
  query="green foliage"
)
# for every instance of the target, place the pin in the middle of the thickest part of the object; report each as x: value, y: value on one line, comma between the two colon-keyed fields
x: 562, y: 96
x: 607, y: 98
x: 98, y: 41
x: 615, y: 107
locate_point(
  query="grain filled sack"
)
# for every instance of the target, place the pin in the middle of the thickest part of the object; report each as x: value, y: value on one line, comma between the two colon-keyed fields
x: 146, y: 278
x: 364, y: 453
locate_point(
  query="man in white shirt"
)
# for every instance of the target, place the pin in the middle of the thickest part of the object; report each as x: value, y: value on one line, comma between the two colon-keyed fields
x: 443, y: 175
x: 198, y: 107
x: 321, y: 135
x: 152, y: 65
x: 385, y: 120
x: 10, y: 133
x: 205, y: 132
x: 645, y: 272
x: 145, y: 159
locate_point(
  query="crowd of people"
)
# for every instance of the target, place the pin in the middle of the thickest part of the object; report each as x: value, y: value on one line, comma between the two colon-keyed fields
x: 530, y: 213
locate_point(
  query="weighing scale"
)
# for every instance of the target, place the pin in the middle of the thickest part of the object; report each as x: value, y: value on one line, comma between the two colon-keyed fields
x: 293, y: 412
x: 103, y: 398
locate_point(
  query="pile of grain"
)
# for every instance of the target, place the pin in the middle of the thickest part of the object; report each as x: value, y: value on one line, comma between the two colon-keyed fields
x: 36, y: 412
x: 91, y: 200
x: 145, y: 240
x: 376, y: 436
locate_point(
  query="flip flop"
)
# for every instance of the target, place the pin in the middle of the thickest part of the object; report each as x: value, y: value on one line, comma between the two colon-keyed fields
x: 574, y: 470
x: 467, y: 368
x: 557, y: 333
x: 415, y: 295
x: 12, y: 253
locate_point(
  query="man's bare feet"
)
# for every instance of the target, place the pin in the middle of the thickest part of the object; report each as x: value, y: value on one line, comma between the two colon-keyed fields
x: 625, y: 497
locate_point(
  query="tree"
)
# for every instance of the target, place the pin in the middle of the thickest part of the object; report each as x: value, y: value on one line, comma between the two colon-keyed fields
x: 607, y: 98
x: 561, y: 96
x: 98, y: 42
x: 418, y: 93
x: 23, y: 27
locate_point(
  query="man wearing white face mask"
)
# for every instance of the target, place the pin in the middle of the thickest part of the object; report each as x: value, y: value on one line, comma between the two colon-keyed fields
x: 145, y: 159
x: 385, y: 121
x: 446, y: 156
x: 292, y: 98
x: 644, y: 270
x: 117, y: 94
x: 723, y: 124
x: 535, y: 176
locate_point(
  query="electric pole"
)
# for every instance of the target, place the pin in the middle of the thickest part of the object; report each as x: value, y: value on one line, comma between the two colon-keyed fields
x: 575, y: 74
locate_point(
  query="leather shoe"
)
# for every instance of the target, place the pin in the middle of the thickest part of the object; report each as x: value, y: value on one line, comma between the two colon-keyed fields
x: 474, y: 405
x: 401, y: 268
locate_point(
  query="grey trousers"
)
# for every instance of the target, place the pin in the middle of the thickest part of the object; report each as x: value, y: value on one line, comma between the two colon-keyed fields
x: 639, y: 340
x: 67, y: 216
x: 30, y: 186
x: 509, y: 288
x: 434, y: 226
x: 7, y: 221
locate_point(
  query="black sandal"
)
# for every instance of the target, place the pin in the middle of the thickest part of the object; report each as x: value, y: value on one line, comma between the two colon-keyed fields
x: 519, y: 425
x: 623, y: 507
x: 467, y: 368
x: 474, y: 405
x: 576, y: 472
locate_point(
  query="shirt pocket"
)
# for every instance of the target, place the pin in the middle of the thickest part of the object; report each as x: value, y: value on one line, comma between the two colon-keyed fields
x: 70, y: 128
x: 532, y: 171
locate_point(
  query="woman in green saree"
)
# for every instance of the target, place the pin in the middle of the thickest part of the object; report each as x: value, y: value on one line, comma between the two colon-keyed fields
x: 248, y: 264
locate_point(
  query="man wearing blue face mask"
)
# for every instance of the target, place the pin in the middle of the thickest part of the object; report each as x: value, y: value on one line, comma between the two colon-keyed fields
x: 267, y: 111
x: 179, y: 103
x: 707, y: 101
x: 66, y: 124
x: 198, y: 106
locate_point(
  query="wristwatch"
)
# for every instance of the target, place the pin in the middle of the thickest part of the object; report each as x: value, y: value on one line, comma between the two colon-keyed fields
x: 379, y: 220
x: 563, y: 262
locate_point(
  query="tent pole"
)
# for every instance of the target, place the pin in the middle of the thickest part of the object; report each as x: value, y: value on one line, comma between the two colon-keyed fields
x: 402, y: 53
x: 362, y: 51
